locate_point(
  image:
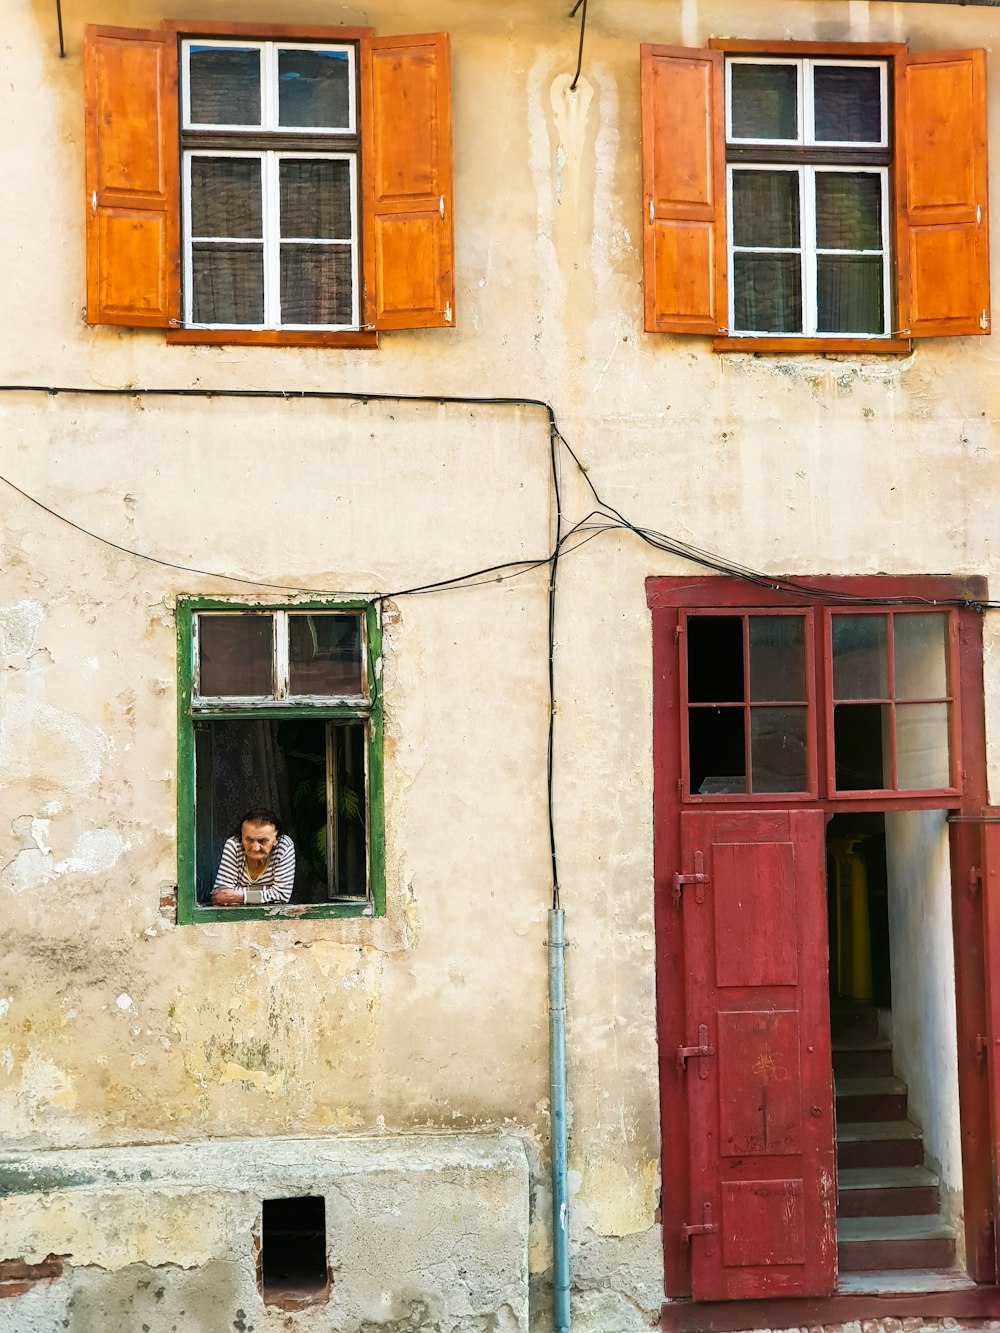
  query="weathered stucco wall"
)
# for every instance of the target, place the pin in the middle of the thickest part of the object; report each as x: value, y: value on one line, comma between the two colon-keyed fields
x: 119, y: 1028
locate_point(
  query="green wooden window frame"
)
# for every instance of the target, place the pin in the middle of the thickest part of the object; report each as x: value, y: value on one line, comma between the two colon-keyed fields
x: 368, y: 711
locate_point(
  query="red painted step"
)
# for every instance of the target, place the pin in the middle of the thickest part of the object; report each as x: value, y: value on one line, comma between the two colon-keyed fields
x: 866, y: 1244
x: 887, y: 1191
x: 870, y: 1099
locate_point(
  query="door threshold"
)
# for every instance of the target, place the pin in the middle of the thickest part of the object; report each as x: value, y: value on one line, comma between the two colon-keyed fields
x: 901, y: 1281
x: 797, y: 1312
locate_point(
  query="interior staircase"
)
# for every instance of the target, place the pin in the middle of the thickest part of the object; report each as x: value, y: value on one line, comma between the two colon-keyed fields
x: 889, y: 1212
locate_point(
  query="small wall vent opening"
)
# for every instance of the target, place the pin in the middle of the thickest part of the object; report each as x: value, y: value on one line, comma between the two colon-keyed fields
x: 293, y: 1261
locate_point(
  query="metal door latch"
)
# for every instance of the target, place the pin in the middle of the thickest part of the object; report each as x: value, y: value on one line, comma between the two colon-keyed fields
x: 684, y: 1053
x: 701, y: 1228
x: 698, y: 878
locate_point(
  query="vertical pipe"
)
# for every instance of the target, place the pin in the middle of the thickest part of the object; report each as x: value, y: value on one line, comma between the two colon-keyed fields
x: 557, y: 1109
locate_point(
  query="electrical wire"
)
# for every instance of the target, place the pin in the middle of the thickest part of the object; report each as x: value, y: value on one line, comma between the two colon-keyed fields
x: 583, y: 29
x: 605, y: 518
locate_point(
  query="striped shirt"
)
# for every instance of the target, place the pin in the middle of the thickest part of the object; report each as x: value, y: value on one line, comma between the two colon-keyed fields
x: 272, y: 885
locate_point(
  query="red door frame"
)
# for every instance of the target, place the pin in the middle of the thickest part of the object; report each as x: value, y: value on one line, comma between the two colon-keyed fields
x: 976, y: 930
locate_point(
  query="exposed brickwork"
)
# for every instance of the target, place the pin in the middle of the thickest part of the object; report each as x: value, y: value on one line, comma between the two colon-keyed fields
x: 17, y: 1277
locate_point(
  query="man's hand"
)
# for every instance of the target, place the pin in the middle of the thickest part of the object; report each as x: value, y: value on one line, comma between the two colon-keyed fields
x: 227, y: 897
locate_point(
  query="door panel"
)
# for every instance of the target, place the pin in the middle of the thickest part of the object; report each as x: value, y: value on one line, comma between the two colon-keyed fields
x: 760, y: 1096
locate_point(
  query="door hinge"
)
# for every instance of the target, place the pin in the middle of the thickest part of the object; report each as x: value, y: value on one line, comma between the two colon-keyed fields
x: 975, y: 879
x: 699, y: 879
x: 980, y: 1047
x: 685, y: 1053
x: 701, y: 1228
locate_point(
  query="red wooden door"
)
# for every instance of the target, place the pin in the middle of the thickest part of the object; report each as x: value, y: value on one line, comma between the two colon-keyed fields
x: 760, y: 1093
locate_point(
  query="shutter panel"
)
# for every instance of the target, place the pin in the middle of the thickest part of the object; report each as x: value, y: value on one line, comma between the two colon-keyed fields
x: 941, y: 181
x: 761, y: 1104
x: 684, y: 190
x: 133, y: 253
x: 409, y: 241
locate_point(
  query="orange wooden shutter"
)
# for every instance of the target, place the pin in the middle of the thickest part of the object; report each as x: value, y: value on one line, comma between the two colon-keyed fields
x: 684, y: 190
x: 756, y: 1060
x: 133, y: 251
x: 408, y: 230
x: 942, y: 213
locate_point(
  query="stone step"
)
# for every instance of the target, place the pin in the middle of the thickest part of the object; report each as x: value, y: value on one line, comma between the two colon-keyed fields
x: 879, y: 1143
x: 870, y: 1099
x: 887, y: 1191
x: 865, y: 1244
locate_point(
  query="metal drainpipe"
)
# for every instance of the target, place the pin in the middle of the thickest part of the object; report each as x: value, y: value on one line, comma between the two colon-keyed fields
x: 557, y: 1105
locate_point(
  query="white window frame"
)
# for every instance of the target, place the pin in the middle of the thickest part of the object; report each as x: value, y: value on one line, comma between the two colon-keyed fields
x: 269, y: 52
x: 280, y: 668
x: 270, y: 160
x: 808, y: 250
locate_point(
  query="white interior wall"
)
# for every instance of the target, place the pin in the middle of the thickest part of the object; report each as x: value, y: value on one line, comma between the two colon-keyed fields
x: 925, y: 1039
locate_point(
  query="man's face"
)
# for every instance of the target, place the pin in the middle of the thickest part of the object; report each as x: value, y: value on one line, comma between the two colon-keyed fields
x: 258, y: 839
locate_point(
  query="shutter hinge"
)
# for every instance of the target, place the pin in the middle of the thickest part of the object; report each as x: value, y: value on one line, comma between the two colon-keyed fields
x: 699, y: 1052
x: 984, y: 320
x: 979, y: 215
x: 447, y: 312
x: 699, y: 879
x: 93, y: 201
x: 651, y: 215
x: 701, y: 1228
x: 441, y: 204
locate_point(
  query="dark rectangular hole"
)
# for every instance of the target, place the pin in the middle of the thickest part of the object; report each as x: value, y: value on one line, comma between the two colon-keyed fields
x: 293, y: 1251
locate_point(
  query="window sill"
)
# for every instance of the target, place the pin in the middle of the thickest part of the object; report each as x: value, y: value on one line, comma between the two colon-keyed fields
x: 357, y: 338
x: 187, y: 916
x: 825, y: 346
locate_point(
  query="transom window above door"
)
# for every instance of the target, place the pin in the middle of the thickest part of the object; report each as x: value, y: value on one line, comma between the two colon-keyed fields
x: 843, y: 704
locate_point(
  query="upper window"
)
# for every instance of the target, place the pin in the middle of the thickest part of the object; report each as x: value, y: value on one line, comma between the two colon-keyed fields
x: 807, y: 183
x: 809, y: 195
x: 270, y: 231
x: 297, y: 190
x: 280, y: 710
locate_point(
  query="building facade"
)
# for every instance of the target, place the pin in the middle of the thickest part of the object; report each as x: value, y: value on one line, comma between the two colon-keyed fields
x: 557, y: 480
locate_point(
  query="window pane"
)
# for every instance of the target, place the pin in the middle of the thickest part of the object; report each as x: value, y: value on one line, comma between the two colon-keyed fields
x: 860, y: 657
x: 861, y: 746
x: 715, y: 659
x: 764, y: 101
x: 848, y: 210
x: 350, y: 818
x: 766, y: 208
x: 317, y: 284
x: 324, y: 654
x: 235, y: 655
x: 313, y: 89
x: 778, y: 749
x: 768, y: 293
x: 225, y: 85
x: 777, y: 657
x: 227, y: 284
x: 226, y: 199
x: 315, y: 198
x: 716, y: 750
x: 848, y: 101
x: 922, y: 746
x: 849, y: 294
x: 920, y: 643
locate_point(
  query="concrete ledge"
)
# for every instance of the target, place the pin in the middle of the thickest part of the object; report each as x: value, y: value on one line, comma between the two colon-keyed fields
x: 423, y: 1231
